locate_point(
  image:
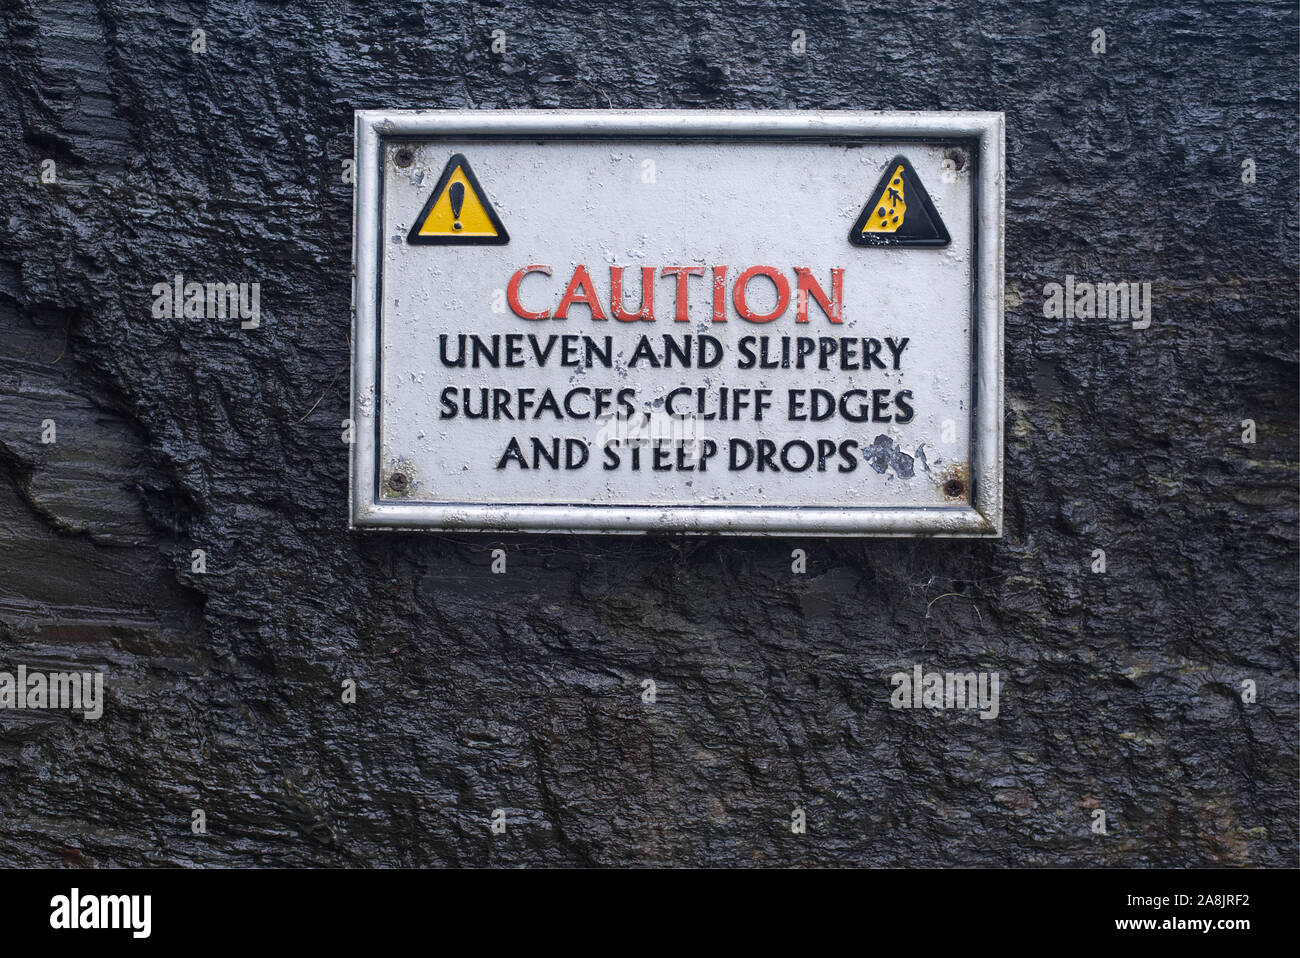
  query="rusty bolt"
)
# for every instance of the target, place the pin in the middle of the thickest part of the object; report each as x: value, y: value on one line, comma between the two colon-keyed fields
x: 954, y: 488
x: 397, y: 482
x: 404, y: 157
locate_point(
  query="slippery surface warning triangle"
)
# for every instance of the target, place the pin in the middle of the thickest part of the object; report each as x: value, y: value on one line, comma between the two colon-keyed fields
x: 458, y: 211
x: 900, y: 212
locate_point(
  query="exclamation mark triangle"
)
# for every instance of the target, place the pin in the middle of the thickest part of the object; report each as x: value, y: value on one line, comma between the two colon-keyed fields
x: 458, y: 211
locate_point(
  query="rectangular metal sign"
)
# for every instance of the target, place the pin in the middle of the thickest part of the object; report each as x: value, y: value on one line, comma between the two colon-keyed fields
x: 636, y: 321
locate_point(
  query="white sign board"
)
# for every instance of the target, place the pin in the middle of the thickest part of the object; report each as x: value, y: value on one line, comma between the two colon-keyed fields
x: 636, y: 321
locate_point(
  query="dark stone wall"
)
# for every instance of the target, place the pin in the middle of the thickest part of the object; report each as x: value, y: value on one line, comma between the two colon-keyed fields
x: 1122, y: 691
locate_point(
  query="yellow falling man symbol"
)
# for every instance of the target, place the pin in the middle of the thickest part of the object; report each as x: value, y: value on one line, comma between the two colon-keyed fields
x: 888, y: 218
x: 458, y: 211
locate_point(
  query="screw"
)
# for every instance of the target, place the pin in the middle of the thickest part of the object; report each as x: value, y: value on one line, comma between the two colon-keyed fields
x: 954, y: 488
x: 397, y: 482
x: 404, y: 157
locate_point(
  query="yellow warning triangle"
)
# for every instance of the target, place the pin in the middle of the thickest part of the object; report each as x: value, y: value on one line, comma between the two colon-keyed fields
x: 900, y: 212
x: 458, y: 211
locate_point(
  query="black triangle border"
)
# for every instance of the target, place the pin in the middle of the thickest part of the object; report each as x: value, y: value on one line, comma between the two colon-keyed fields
x: 859, y: 238
x: 414, y: 237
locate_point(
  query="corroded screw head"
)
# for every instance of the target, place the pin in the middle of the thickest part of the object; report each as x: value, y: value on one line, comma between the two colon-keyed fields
x: 398, y: 482
x: 404, y: 157
x: 954, y: 488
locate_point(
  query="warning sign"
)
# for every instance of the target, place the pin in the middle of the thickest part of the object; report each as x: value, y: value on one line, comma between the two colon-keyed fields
x: 900, y: 212
x: 691, y: 349
x: 458, y: 211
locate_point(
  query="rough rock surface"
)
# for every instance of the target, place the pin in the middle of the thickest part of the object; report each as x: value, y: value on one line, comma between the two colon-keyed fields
x: 1122, y: 691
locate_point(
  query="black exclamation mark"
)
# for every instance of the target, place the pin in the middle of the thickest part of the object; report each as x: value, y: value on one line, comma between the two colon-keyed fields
x: 457, y: 194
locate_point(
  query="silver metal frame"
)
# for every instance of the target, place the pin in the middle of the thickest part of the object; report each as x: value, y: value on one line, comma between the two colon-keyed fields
x: 983, y: 517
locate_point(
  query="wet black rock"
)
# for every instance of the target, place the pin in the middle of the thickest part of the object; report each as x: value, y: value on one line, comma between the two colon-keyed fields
x: 1120, y: 691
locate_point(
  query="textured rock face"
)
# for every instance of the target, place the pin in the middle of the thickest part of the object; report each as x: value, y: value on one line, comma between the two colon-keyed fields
x: 1121, y: 692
